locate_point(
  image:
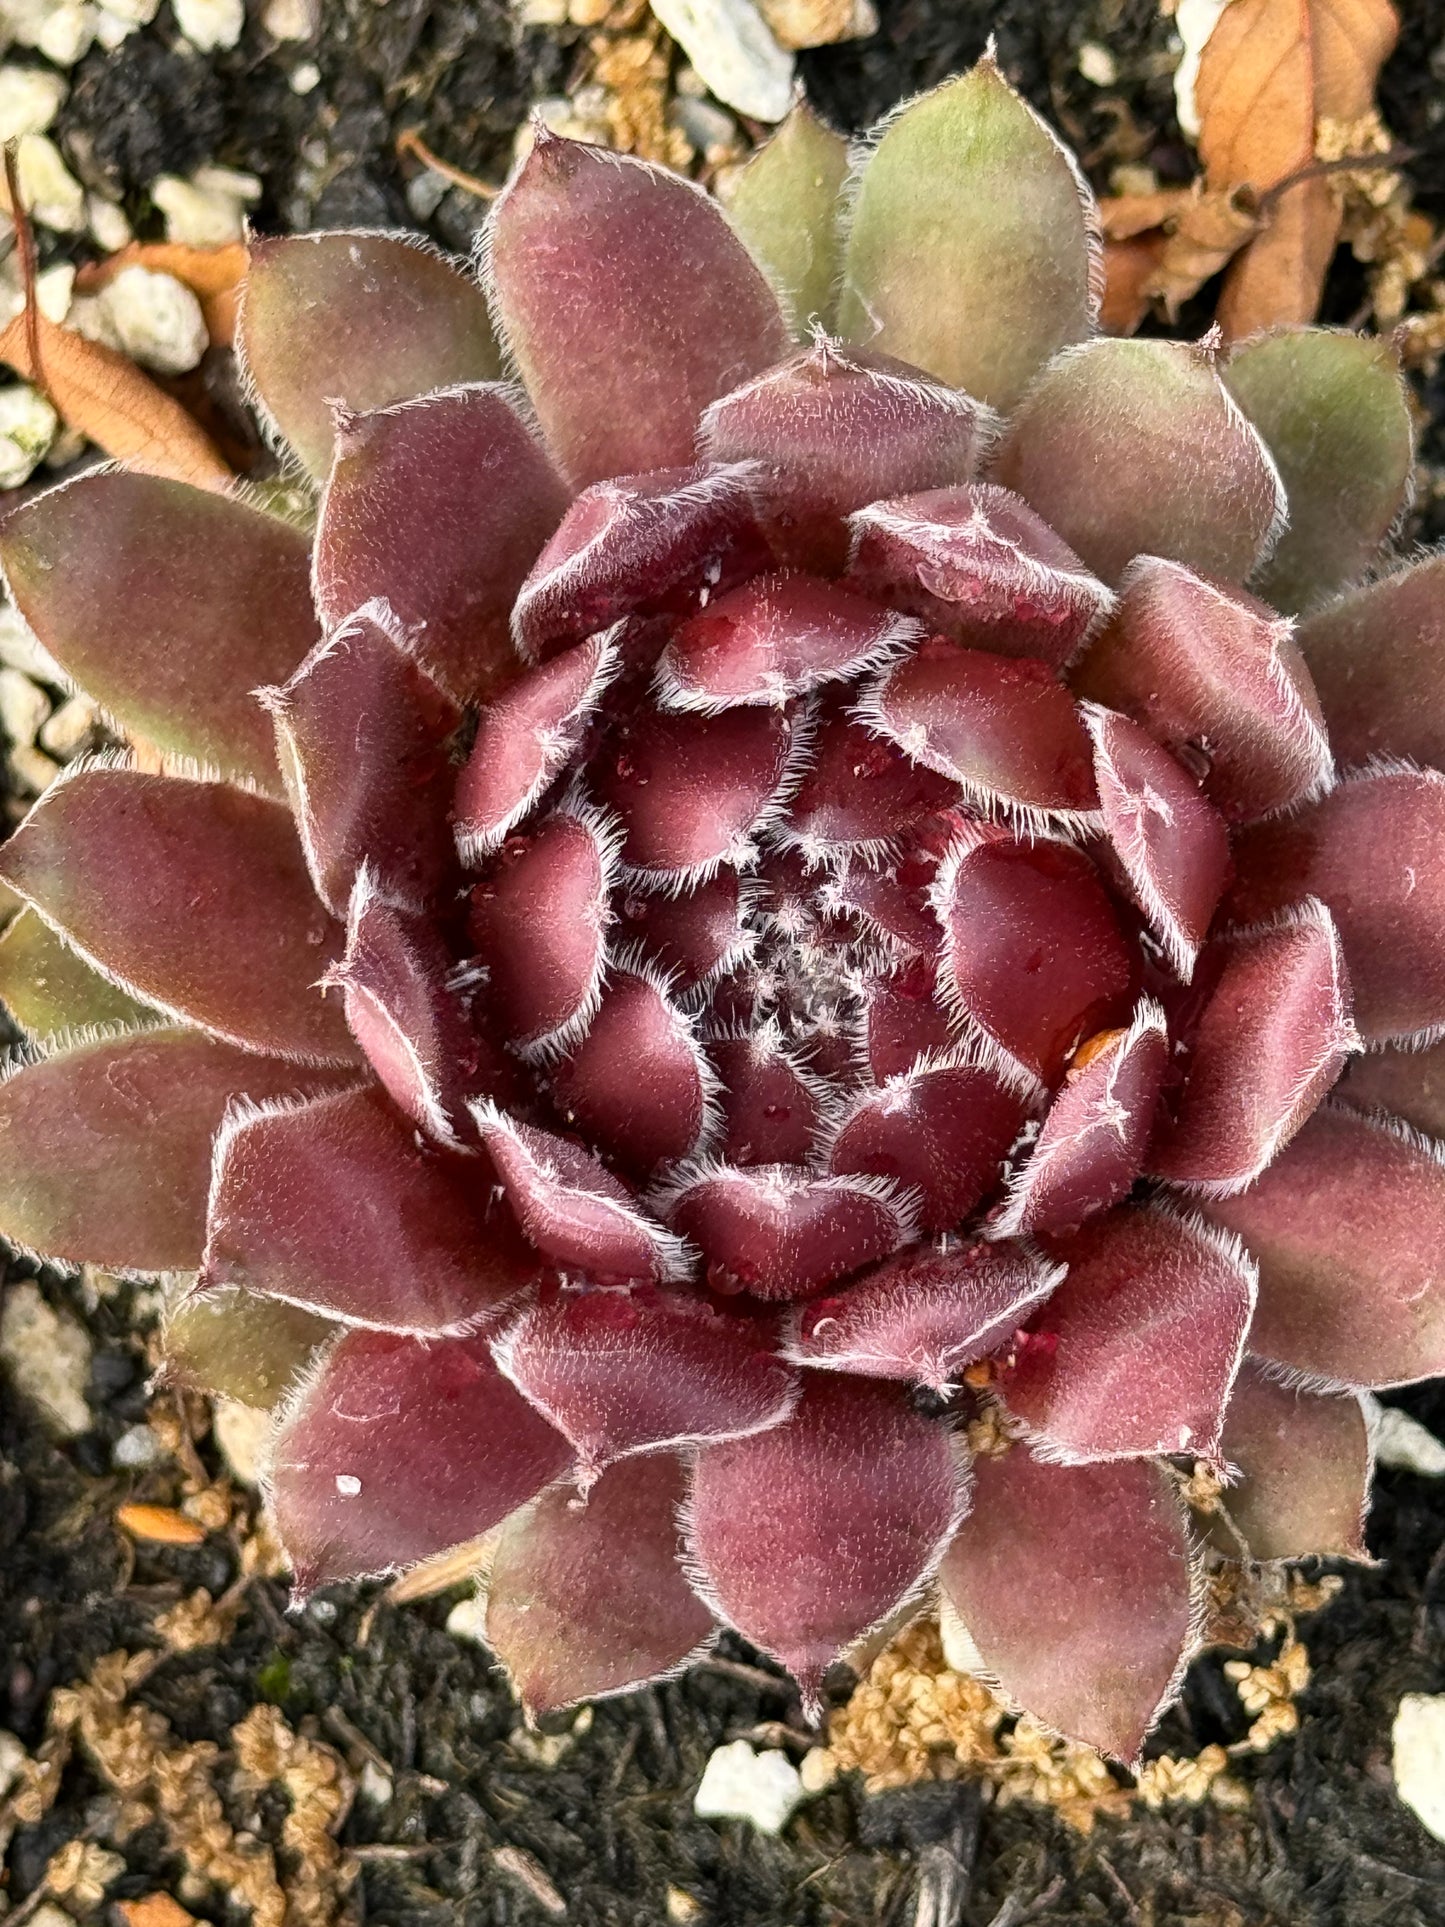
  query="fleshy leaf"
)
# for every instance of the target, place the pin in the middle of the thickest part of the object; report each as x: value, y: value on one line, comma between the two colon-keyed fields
x: 1001, y: 900
x: 1006, y: 731
x: 808, y: 1535
x: 1408, y: 1083
x: 925, y: 1314
x: 105, y: 1149
x: 1370, y: 850
x: 193, y: 896
x: 627, y: 1371
x: 362, y: 732
x: 1218, y: 679
x: 1171, y: 841
x: 976, y: 563
x: 1378, y: 661
x: 333, y: 1206
x: 362, y: 318
x: 48, y: 989
x: 1348, y: 1226
x: 858, y: 793
x: 1272, y: 1039
x: 232, y: 1344
x: 1091, y: 1145
x: 627, y: 302
x: 584, y: 1601
x: 1189, y: 478
x: 783, y: 205
x: 1101, y: 1555
x: 1331, y: 408
x: 696, y: 935
x: 902, y: 1020
x: 773, y: 1105
x: 972, y: 247
x: 776, y: 1231
x: 440, y: 506
x: 1136, y: 1351
x: 833, y: 429
x: 169, y: 606
x: 1305, y: 1461
x: 475, y: 1451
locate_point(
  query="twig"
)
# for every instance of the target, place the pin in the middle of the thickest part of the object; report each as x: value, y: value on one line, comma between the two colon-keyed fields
x: 1347, y: 164
x: 25, y: 242
x: 753, y: 1676
x: 409, y: 141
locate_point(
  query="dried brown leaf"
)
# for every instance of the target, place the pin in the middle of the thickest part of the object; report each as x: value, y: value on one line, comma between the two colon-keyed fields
x: 155, y: 1910
x: 111, y: 401
x: 1270, y: 71
x: 1163, y: 247
x: 213, y: 275
x: 1129, y: 267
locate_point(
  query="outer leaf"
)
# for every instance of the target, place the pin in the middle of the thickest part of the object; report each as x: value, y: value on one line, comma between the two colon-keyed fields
x: 1331, y: 408
x: 1100, y: 1553
x: 475, y: 1450
x: 48, y: 989
x: 440, y: 506
x: 783, y: 203
x: 628, y: 304
x: 169, y: 606
x: 1348, y: 1225
x: 972, y: 248
x: 191, y: 895
x: 1306, y: 1463
x: 808, y: 1535
x: 1189, y: 478
x: 1378, y: 660
x: 333, y: 1206
x: 364, y: 319
x: 231, y: 1344
x: 105, y: 1149
x: 583, y: 1601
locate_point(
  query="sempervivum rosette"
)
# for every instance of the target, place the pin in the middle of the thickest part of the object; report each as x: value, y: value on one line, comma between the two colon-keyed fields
x: 751, y: 899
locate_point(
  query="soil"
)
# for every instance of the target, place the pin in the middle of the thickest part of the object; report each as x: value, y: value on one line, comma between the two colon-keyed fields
x: 610, y: 1823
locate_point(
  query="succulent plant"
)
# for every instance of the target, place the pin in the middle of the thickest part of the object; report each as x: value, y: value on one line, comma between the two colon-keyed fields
x: 766, y: 908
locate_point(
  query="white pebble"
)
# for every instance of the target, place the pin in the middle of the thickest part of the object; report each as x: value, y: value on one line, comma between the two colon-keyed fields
x: 135, y: 1449
x: 69, y: 445
x: 736, y: 53
x: 819, y: 23
x: 67, y: 36
x: 738, y: 1784
x: 51, y: 1916
x: 30, y: 99
x: 1403, y: 1442
x: 243, y: 1432
x: 159, y: 321
x: 108, y: 225
x: 468, y: 1619
x: 68, y: 730
x: 90, y: 316
x: 1194, y: 22
x: 292, y: 19
x: 47, y: 187
x: 1419, y: 1742
x: 24, y: 706
x: 198, y: 217
x: 375, y: 1784
x: 135, y: 13
x: 209, y: 24
x: 20, y: 650
x: 1097, y: 64
x: 48, y: 1358
x: 31, y: 770
x: 54, y: 289
x: 28, y: 425
x: 12, y: 1758
x: 305, y: 78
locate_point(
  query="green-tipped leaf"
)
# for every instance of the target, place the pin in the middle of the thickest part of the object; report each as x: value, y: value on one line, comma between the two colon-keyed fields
x: 783, y: 203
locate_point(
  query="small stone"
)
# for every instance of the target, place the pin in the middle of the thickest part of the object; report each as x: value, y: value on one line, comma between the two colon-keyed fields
x: 108, y: 226
x: 739, y: 1784
x: 159, y: 321
x: 243, y: 1433
x: 66, y: 37
x: 48, y: 189
x: 54, y: 289
x: 67, y: 732
x: 305, y: 78
x: 425, y: 194
x: 30, y: 99
x: 135, y: 1449
x: 1403, y: 1442
x: 468, y: 1619
x: 23, y: 706
x: 12, y: 1758
x: 90, y: 316
x: 1097, y: 64
x: 707, y: 128
x: 819, y: 23
x: 292, y: 19
x: 199, y: 216
x: 681, y: 1907
x: 541, y: 13
x: 818, y: 1769
x: 28, y: 425
x: 49, y: 1915
x: 209, y: 24
x: 375, y: 1784
x: 20, y: 650
x: 1419, y: 1742
x: 135, y: 13
x: 47, y: 1355
x: 32, y: 769
x: 732, y: 47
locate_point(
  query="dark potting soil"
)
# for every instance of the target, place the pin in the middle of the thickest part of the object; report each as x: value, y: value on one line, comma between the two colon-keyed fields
x: 610, y: 1823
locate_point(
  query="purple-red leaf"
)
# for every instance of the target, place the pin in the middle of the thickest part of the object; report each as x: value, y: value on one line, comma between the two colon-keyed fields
x: 1377, y: 657
x: 773, y: 1105
x: 1216, y: 677
x: 1348, y: 1226
x: 976, y: 563
x: 626, y: 1371
x: 1372, y: 851
x: 361, y: 732
x: 1092, y: 1143
x: 473, y: 1449
x: 858, y: 793
x: 1305, y: 1462
x: 903, y: 1020
x: 583, y: 1601
x: 1409, y: 1083
x: 169, y: 605
x: 808, y: 1535
x: 925, y: 1314
x: 1075, y: 1584
x: 439, y: 506
x: 362, y: 318
x: 628, y: 303
x: 836, y: 428
x: 192, y: 896
x: 696, y: 935
x: 1136, y: 1351
x: 105, y: 1150
x: 332, y: 1205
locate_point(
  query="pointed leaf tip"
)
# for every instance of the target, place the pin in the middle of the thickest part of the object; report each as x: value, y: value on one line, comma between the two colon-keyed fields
x: 783, y: 204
